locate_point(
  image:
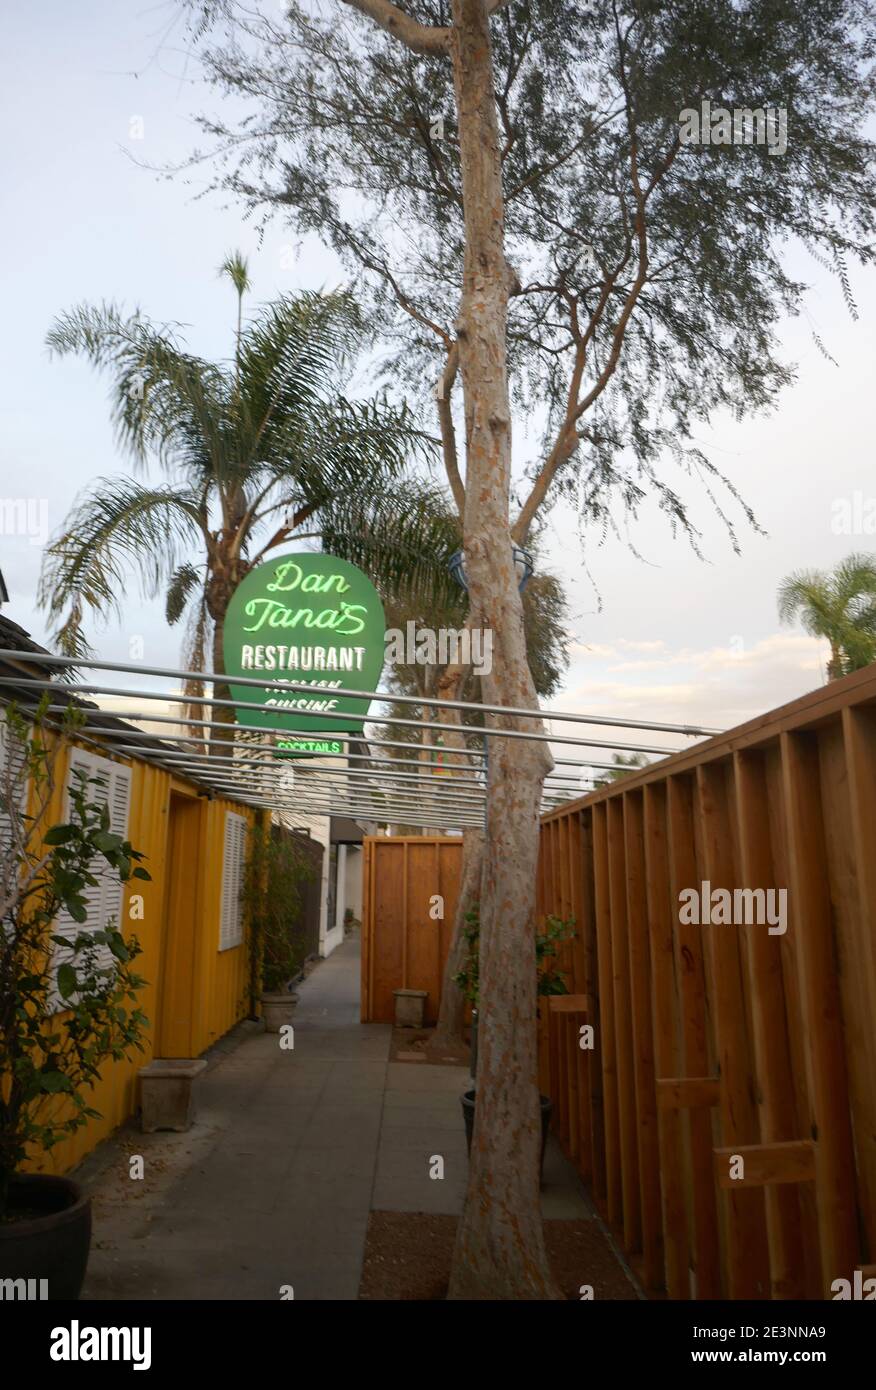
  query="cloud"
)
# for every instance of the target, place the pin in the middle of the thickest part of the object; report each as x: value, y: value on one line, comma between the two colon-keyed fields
x: 713, y: 687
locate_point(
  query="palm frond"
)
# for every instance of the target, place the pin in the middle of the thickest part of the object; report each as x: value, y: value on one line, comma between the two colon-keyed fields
x: 291, y: 360
x: 854, y: 577
x: 164, y: 400
x: 840, y: 606
x: 402, y: 536
x: 236, y: 267
x: 806, y: 594
x: 117, y: 525
x: 69, y: 640
x: 182, y: 582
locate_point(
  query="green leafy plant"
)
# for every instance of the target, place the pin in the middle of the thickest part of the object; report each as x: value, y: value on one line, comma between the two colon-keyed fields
x: 275, y: 871
x: 839, y: 605
x: 547, y: 943
x: 67, y: 1005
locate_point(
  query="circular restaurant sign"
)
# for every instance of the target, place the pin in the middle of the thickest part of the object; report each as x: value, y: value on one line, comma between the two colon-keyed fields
x: 311, y: 620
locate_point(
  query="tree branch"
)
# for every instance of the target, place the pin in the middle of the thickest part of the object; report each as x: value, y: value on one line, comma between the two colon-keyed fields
x: 448, y: 430
x: 420, y: 38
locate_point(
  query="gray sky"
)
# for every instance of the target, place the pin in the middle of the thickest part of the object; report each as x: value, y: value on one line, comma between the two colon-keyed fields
x: 676, y: 638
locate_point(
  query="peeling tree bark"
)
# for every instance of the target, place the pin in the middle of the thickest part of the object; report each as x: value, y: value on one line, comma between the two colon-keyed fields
x: 449, y: 1028
x: 500, y: 1250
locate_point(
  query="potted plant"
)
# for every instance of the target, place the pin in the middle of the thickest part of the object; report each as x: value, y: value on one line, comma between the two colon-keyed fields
x: 351, y: 921
x: 550, y: 981
x: 66, y: 1005
x: 275, y: 870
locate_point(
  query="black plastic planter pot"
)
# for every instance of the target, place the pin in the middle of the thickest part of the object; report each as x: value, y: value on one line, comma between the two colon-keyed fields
x: 53, y: 1242
x: 468, y: 1108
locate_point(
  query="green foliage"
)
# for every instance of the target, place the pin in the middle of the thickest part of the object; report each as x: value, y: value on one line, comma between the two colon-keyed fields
x: 547, y: 943
x: 840, y: 606
x: 66, y: 1007
x: 468, y: 979
x: 650, y: 277
x: 625, y: 763
x: 271, y: 895
x: 545, y: 617
x: 556, y: 932
x: 258, y: 451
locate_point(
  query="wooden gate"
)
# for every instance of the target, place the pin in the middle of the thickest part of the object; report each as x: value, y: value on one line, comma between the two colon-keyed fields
x: 409, y: 893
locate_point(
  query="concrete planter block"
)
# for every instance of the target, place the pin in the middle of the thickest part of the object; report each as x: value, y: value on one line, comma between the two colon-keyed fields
x: 166, y: 1098
x: 277, y: 1010
x: 410, y: 1005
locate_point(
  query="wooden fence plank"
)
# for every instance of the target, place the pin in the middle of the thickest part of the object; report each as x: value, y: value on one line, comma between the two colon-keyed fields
x: 692, y: 996
x: 643, y: 1041
x: 667, y: 1052
x: 858, y: 954
x: 791, y: 1162
x: 812, y: 924
x: 593, y: 1128
x: 771, y: 1053
x: 747, y: 1251
x: 688, y: 1092
x: 623, y: 1016
x: 606, y: 1017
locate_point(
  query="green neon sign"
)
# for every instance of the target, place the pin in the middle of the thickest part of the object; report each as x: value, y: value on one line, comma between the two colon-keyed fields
x: 305, y: 619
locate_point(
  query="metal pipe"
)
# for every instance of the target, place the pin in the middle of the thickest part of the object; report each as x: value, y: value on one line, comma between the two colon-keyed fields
x: 323, y: 714
x: 386, y: 697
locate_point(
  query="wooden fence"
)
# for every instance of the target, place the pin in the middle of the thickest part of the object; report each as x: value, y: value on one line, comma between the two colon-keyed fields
x: 404, y: 944
x: 725, y: 1115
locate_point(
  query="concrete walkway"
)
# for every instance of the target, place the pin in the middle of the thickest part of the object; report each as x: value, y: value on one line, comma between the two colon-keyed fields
x: 289, y: 1153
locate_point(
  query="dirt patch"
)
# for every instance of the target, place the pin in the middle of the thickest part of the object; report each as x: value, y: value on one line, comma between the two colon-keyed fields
x: 413, y: 1045
x: 408, y: 1255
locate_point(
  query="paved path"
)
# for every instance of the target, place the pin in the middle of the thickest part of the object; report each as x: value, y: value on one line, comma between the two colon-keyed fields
x: 290, y: 1151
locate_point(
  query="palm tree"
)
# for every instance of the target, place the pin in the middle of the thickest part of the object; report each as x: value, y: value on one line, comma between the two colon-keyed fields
x: 624, y: 764
x: 255, y: 453
x: 839, y: 605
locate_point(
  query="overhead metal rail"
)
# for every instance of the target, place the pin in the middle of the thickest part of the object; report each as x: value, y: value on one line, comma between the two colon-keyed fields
x: 215, y: 702
x: 302, y: 687
x: 192, y: 760
x: 373, y: 786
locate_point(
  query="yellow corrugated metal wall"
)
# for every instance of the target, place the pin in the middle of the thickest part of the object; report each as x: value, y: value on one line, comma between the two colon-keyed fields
x: 209, y: 990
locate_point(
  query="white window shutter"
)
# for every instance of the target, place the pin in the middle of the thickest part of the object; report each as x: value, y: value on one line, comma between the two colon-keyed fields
x: 233, y: 860
x: 12, y: 755
x: 103, y: 900
x: 119, y: 805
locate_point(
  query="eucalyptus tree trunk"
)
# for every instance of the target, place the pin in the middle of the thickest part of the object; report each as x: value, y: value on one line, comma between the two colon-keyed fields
x: 448, y: 1032
x: 500, y: 1250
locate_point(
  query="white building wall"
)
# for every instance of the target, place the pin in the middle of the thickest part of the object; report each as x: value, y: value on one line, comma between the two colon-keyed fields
x: 353, y: 880
x: 319, y: 828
